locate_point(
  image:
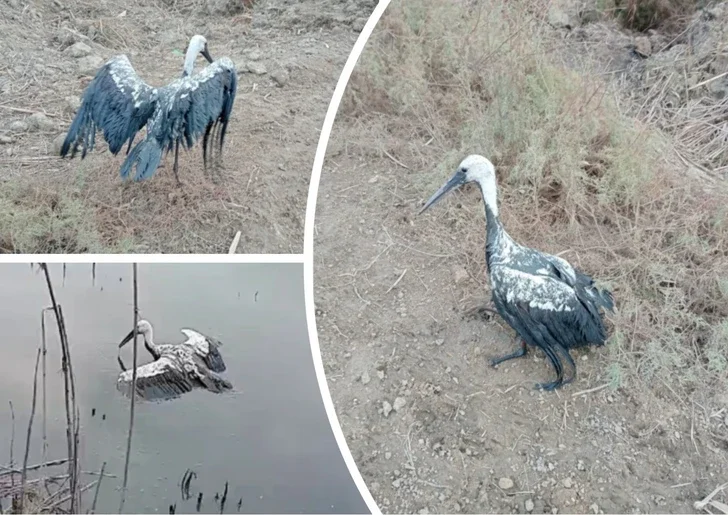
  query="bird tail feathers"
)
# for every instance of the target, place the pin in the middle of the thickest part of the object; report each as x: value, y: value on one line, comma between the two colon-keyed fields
x: 145, y: 156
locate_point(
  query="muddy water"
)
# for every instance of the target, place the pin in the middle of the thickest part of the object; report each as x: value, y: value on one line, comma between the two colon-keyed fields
x: 270, y: 439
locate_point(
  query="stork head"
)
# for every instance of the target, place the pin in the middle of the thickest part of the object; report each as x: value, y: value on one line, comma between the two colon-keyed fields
x: 198, y: 45
x: 143, y: 327
x: 473, y: 168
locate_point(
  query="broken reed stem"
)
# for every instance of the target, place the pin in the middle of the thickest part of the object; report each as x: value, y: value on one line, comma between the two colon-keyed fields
x: 44, y: 350
x: 12, y: 441
x: 53, y: 463
x: 98, y: 487
x: 133, y: 391
x: 24, y: 473
x: 69, y: 391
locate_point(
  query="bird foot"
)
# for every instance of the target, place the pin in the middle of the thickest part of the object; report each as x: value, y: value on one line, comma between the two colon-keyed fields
x: 549, y: 387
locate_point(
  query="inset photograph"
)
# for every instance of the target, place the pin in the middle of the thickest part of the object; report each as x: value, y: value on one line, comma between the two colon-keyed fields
x: 227, y: 416
x: 520, y: 259
x: 165, y: 127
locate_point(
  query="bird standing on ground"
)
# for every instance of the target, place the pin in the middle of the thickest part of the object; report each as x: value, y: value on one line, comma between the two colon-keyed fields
x: 119, y: 103
x: 547, y: 302
x: 176, y: 369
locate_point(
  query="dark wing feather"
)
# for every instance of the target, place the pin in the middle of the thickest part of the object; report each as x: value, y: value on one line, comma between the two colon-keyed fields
x: 117, y: 102
x: 187, y: 109
x: 583, y: 285
x: 205, y: 348
x: 162, y: 379
x: 547, y: 312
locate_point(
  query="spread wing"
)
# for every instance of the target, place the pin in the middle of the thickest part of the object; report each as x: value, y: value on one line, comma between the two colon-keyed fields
x: 159, y: 380
x: 188, y: 108
x: 205, y: 348
x: 117, y: 102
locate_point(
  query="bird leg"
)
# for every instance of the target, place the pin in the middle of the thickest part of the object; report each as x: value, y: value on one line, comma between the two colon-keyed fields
x: 518, y: 354
x: 205, y: 143
x: 176, y: 162
x: 556, y: 363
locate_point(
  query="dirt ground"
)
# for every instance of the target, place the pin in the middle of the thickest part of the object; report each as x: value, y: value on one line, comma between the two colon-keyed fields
x: 289, y: 56
x: 432, y: 426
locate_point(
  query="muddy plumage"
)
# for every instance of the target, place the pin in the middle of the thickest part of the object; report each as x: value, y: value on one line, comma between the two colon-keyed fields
x: 547, y: 302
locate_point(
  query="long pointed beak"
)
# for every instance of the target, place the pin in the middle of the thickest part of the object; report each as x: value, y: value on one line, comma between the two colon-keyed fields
x: 127, y: 338
x: 458, y: 179
x: 206, y: 54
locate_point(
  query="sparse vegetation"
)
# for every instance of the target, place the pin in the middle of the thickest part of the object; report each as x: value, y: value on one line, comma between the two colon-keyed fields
x: 575, y: 175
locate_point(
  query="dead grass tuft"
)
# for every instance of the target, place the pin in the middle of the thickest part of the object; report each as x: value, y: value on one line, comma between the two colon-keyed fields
x: 36, y: 219
x: 576, y: 176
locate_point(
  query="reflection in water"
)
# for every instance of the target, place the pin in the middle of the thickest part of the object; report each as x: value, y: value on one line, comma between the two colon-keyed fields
x: 177, y: 368
x: 269, y: 438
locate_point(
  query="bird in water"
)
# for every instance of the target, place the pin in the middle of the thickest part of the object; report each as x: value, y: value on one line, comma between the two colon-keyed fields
x: 119, y: 103
x: 177, y: 368
x: 549, y: 303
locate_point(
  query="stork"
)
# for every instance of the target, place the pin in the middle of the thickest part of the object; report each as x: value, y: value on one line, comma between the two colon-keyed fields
x: 119, y: 103
x: 549, y: 303
x: 177, y: 368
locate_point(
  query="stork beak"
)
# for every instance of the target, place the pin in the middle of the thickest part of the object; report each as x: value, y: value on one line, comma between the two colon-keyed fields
x: 206, y: 54
x: 127, y: 338
x: 458, y: 179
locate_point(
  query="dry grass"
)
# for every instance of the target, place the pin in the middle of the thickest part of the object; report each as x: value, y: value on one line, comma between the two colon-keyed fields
x: 577, y: 178
x: 642, y: 15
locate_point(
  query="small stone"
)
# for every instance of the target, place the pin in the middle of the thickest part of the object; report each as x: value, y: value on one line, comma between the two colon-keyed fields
x: 373, y: 179
x: 505, y: 483
x: 40, y: 122
x: 386, y: 408
x: 280, y: 77
x: 358, y: 25
x: 380, y: 374
x: 399, y: 403
x: 594, y: 508
x: 460, y: 275
x: 559, y: 18
x: 58, y: 143
x: 529, y: 505
x: 387, y: 455
x: 439, y: 341
x: 365, y: 377
x: 424, y: 511
x: 567, y: 482
x: 257, y: 68
x: 89, y: 65
x: 78, y: 50
x: 396, y: 483
x: 643, y: 46
x: 5, y: 139
x: 19, y: 126
x: 72, y: 104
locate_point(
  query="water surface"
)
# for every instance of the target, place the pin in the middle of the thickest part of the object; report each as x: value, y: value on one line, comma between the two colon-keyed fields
x: 269, y: 439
